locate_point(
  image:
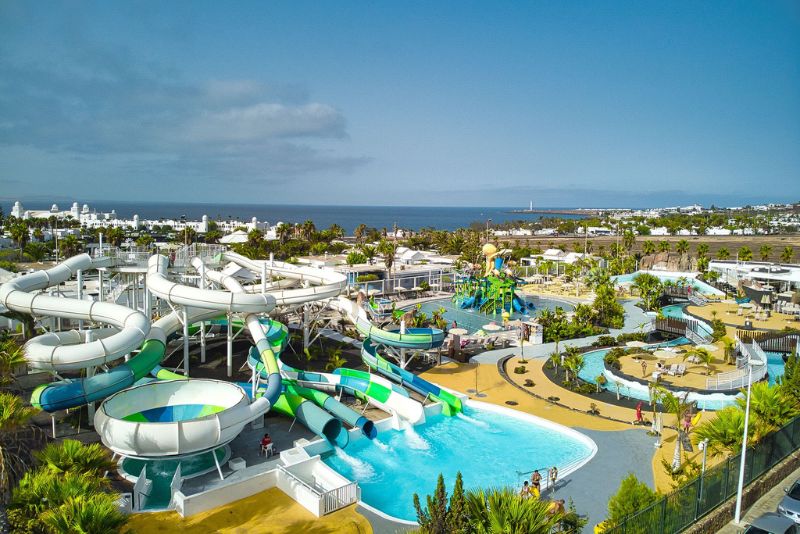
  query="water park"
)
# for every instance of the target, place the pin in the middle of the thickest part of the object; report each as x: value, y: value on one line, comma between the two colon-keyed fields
x: 213, y: 379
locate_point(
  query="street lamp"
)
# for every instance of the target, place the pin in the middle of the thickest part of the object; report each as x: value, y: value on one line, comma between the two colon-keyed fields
x: 740, y: 486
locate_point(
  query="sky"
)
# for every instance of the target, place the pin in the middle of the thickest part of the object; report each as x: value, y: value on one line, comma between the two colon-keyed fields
x: 582, y: 103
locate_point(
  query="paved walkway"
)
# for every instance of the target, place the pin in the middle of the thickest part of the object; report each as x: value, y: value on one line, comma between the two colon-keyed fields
x: 634, y: 319
x: 767, y: 503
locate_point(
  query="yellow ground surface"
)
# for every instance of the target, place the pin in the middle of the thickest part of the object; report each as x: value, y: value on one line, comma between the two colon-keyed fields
x: 727, y: 313
x: 461, y: 377
x: 559, y: 290
x: 271, y: 511
x: 695, y: 376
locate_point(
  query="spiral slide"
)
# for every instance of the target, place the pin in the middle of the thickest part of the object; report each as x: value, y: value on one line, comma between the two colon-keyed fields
x: 185, y: 417
x: 69, y: 351
x: 413, y: 338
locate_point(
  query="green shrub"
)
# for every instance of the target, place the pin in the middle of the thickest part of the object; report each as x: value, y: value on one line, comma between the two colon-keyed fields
x: 605, y: 341
x: 631, y: 497
x: 520, y: 370
x: 367, y: 278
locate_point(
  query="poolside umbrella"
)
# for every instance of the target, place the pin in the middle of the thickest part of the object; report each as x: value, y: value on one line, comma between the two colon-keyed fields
x: 664, y: 354
x: 765, y: 300
x: 373, y: 292
x: 637, y: 344
x: 709, y: 347
x: 491, y: 327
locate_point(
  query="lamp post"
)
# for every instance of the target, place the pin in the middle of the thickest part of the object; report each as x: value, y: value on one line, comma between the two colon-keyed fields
x: 740, y: 486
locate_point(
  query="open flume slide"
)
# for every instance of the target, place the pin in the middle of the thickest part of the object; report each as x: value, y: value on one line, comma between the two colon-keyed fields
x: 309, y: 407
x: 412, y: 338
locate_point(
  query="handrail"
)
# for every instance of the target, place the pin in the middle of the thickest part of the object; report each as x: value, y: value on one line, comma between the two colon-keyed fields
x: 300, y: 480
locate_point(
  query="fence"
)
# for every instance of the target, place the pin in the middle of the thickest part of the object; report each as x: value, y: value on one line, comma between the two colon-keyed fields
x: 697, y: 331
x: 337, y: 498
x: 683, y: 507
x: 771, y: 341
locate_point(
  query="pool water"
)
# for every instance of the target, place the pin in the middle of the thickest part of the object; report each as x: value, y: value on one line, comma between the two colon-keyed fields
x: 473, y: 320
x: 775, y: 366
x: 161, y: 472
x: 676, y: 311
x: 697, y: 285
x: 488, y: 448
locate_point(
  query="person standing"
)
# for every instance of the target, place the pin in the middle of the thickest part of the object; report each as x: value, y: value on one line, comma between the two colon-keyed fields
x: 553, y: 476
x: 536, y: 480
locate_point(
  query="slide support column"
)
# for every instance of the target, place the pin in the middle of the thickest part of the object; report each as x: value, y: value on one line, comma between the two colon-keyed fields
x: 202, y: 323
x: 80, y: 295
x: 305, y: 326
x: 185, y: 343
x: 230, y: 346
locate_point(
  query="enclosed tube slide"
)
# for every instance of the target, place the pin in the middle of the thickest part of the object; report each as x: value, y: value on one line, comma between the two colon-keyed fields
x: 323, y: 283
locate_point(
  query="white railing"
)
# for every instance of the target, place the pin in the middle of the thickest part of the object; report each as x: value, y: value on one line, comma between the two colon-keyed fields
x: 697, y: 299
x: 738, y: 379
x: 206, y: 252
x: 337, y: 498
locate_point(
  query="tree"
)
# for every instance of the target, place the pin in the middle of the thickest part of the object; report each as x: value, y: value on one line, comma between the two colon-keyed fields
x: 97, y: 513
x: 11, y: 357
x: 723, y: 431
x: 433, y: 519
x: 765, y: 251
x: 609, y: 312
x: 307, y: 229
x: 787, y: 254
x: 20, y: 234
x: 457, y: 518
x: 355, y: 258
x: 114, y: 236
x: 702, y: 250
x: 648, y: 247
x: 369, y: 252
x: 682, y: 247
x: 631, y: 497
x: 37, y: 251
x: 769, y: 410
x: 650, y: 289
x: 703, y: 355
x: 664, y: 246
x: 18, y: 440
x: 504, y: 510
x: 388, y: 249
x: 679, y: 406
x: 359, y: 232
x: 284, y: 232
x: 335, y: 360
x: 744, y: 254
x: 336, y: 231
x: 73, y: 456
x: 70, y: 246
x: 146, y: 240
x: 723, y: 254
x: 790, y: 381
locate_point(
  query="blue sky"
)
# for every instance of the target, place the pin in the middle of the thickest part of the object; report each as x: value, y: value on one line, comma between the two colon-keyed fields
x: 402, y: 103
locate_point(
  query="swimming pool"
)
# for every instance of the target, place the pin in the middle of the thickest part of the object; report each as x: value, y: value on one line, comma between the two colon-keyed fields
x: 473, y: 320
x: 697, y: 285
x: 593, y: 367
x: 775, y: 366
x: 488, y: 444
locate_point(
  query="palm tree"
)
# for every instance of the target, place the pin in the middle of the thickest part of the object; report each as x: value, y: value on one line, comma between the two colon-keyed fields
x: 146, y: 240
x: 744, y: 254
x: 504, y: 510
x: 769, y: 410
x: 359, y: 232
x: 336, y: 231
x: 765, y: 251
x: 648, y: 247
x: 723, y: 254
x: 284, y: 232
x: 97, y: 513
x: 308, y: 228
x: 664, y: 246
x: 11, y: 357
x: 787, y: 254
x: 679, y: 406
x: 20, y: 234
x: 388, y: 249
x: 69, y: 246
x: 73, y: 456
x: 702, y: 250
x: 702, y: 354
x: 369, y: 252
x: 728, y: 345
x: 18, y: 439
x: 682, y: 247
x: 723, y: 432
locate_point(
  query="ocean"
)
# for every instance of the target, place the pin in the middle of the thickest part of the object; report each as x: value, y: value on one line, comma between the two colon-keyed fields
x: 348, y: 217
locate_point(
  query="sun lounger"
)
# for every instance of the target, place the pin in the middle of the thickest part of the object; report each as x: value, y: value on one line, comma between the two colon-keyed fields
x: 673, y: 369
x: 681, y: 370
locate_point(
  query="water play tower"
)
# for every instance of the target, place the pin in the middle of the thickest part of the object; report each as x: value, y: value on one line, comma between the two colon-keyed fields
x: 491, y: 288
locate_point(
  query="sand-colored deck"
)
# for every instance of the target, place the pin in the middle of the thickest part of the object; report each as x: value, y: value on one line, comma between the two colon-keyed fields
x: 270, y: 511
x: 727, y: 313
x: 461, y: 377
x: 557, y: 289
x: 695, y: 376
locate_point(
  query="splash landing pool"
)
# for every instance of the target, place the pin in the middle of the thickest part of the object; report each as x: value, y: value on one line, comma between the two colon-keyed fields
x: 489, y: 445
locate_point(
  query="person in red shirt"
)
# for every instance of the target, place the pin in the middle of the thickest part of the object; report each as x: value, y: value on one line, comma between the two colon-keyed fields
x: 266, y: 443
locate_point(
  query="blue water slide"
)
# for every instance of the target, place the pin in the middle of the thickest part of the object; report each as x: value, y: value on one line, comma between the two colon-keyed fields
x: 468, y: 302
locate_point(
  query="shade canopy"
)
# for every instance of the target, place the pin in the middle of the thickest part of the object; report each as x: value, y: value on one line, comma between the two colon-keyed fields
x: 636, y: 344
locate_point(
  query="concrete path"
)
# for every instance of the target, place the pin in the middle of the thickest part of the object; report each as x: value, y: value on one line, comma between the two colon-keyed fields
x: 767, y: 503
x: 634, y: 319
x: 618, y: 453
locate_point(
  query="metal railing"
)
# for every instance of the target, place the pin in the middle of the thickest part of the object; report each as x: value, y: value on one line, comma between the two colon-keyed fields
x: 698, y: 299
x: 337, y: 498
x: 738, y: 378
